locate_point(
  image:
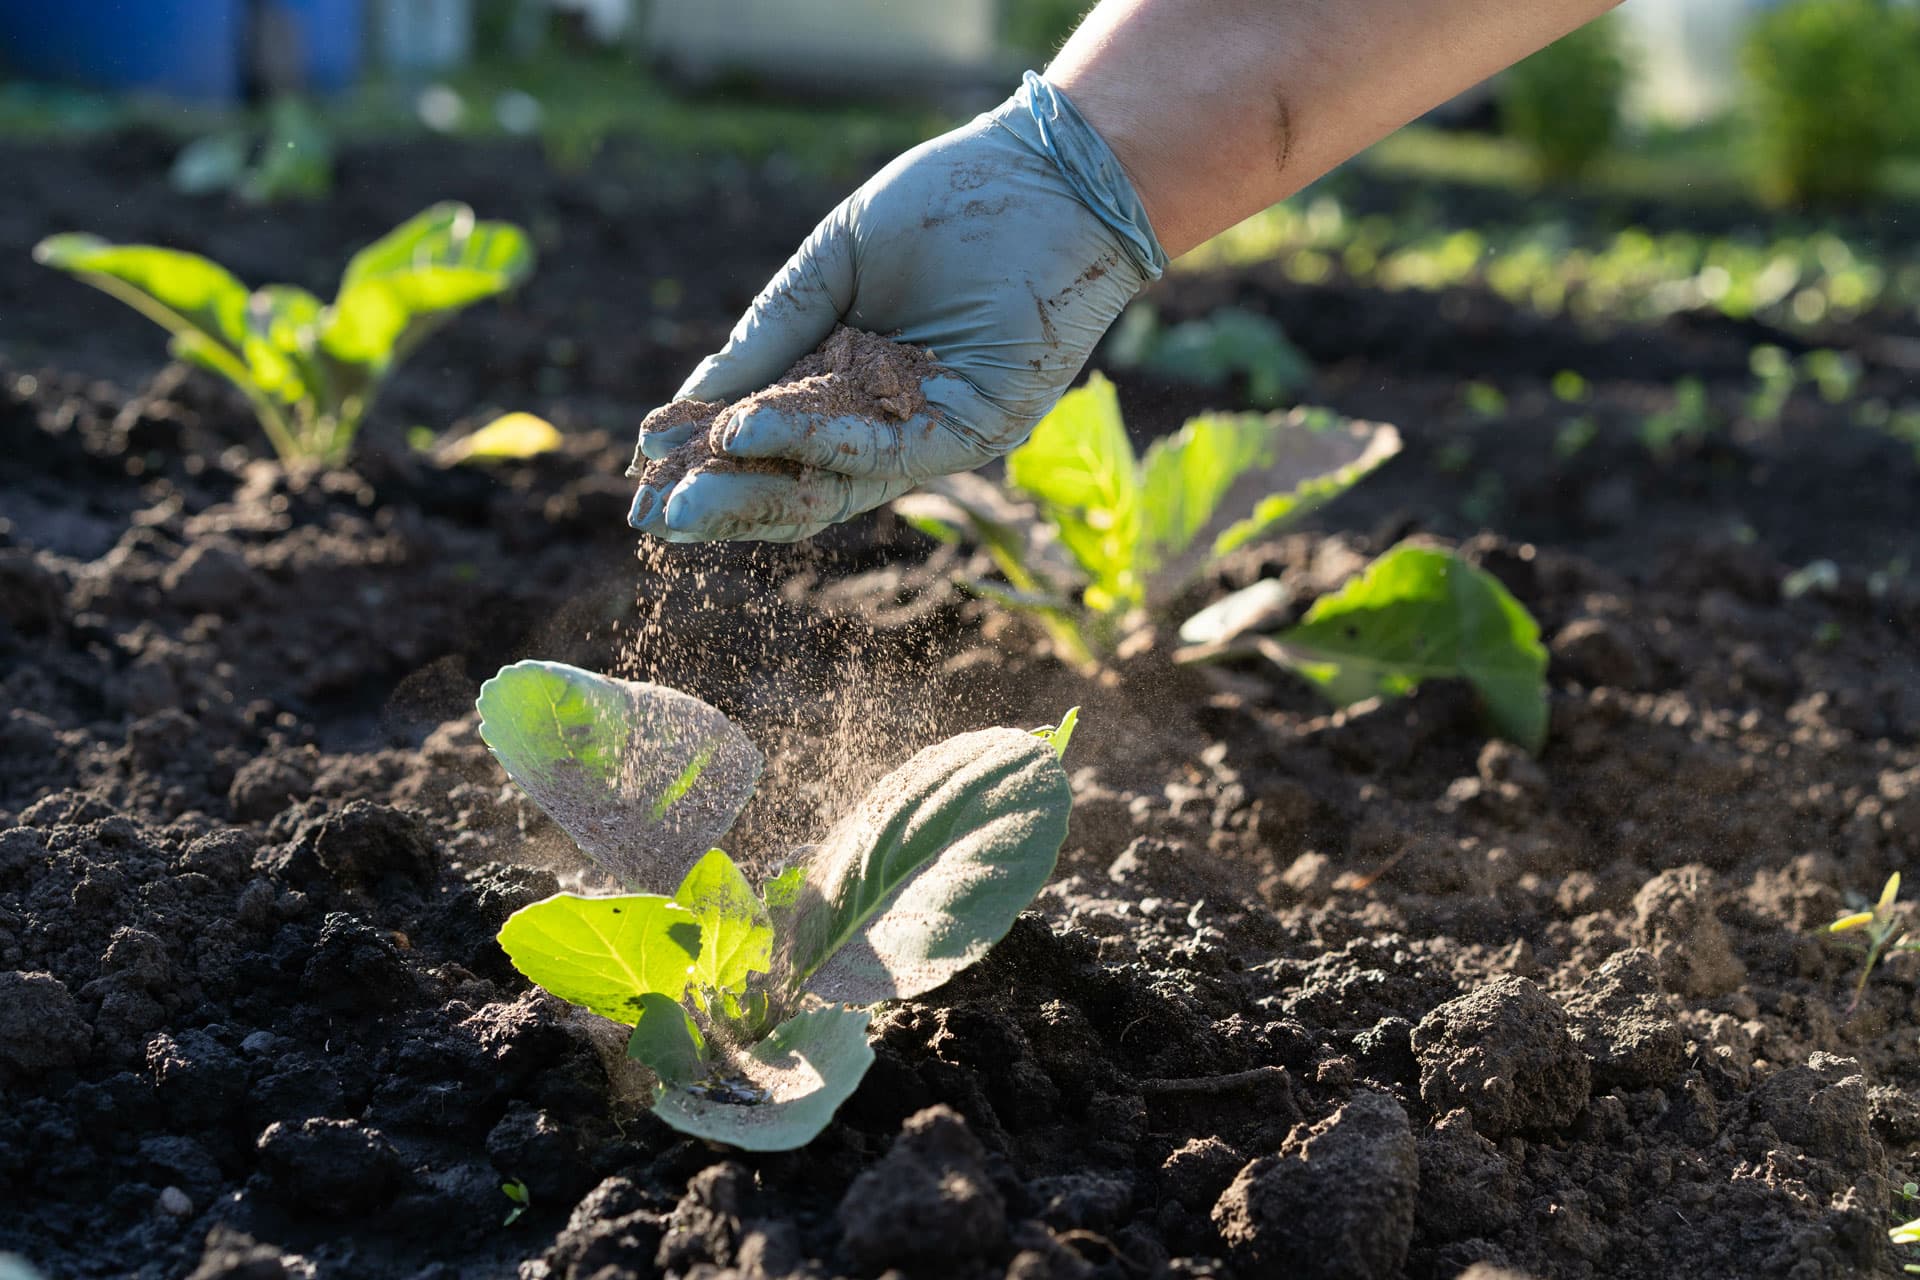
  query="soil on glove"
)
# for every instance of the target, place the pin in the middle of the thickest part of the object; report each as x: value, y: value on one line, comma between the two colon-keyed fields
x: 1355, y: 994
x: 852, y: 374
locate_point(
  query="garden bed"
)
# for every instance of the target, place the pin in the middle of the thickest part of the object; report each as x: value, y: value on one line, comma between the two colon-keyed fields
x: 1574, y: 1015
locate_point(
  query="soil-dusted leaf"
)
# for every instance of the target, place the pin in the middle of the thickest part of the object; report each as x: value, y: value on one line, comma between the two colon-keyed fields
x: 644, y: 778
x: 666, y: 1041
x: 1415, y: 614
x: 931, y: 868
x: 1079, y: 466
x: 509, y: 437
x: 1263, y: 606
x: 782, y: 1092
x: 1224, y: 479
x: 605, y: 954
x: 183, y: 293
x: 395, y: 289
x: 736, y: 933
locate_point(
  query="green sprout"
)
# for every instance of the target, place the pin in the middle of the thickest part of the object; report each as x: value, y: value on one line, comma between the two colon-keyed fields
x: 1107, y: 538
x: 1880, y: 924
x: 516, y: 1190
x: 1415, y: 614
x: 311, y: 370
x: 1688, y: 419
x: 748, y: 1005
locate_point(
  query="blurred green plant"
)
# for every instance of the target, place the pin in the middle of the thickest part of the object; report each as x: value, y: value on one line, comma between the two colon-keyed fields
x: 1563, y: 103
x: 293, y: 161
x: 1112, y: 537
x: 1796, y: 281
x: 1834, y: 95
x: 1688, y: 419
x: 1415, y: 614
x: 1212, y: 351
x: 310, y: 369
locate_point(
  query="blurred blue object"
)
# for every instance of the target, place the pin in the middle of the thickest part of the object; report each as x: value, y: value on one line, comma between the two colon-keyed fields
x: 196, y: 49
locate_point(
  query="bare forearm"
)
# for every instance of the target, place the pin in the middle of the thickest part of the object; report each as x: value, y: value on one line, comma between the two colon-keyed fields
x: 1218, y: 108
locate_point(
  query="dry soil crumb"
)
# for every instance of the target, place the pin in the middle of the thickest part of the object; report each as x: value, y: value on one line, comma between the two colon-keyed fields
x: 851, y: 374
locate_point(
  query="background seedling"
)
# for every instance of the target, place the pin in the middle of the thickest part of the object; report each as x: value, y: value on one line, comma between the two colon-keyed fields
x: 516, y: 1191
x: 1878, y: 926
x: 1111, y: 537
x: 311, y: 370
x: 750, y: 1006
x: 1415, y: 614
x: 1212, y: 351
x: 1689, y: 418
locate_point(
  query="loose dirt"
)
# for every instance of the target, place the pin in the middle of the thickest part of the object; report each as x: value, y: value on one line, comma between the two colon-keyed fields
x: 852, y: 374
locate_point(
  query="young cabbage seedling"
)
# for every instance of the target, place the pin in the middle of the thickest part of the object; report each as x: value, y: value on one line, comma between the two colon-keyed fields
x: 310, y: 369
x: 1110, y: 536
x: 1416, y: 613
x: 1880, y: 925
x: 750, y: 1005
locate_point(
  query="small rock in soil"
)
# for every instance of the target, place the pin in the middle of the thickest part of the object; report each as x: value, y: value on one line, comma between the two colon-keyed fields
x: 1674, y: 918
x: 1337, y: 1202
x: 1504, y: 1054
x: 1600, y: 653
x: 1824, y: 1109
x: 1466, y: 1188
x: 929, y: 1200
x: 41, y: 1029
x: 550, y: 1158
x: 229, y: 1255
x: 611, y: 1227
x: 1620, y: 1019
x: 334, y: 1168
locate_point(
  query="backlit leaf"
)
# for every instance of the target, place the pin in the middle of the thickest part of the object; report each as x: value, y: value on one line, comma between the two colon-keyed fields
x: 1416, y: 614
x: 604, y: 954
x: 644, y: 778
x: 782, y: 1092
x: 930, y: 869
x: 736, y: 934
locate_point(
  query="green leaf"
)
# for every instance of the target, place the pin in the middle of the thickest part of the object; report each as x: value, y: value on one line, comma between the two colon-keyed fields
x: 736, y: 933
x: 396, y: 288
x: 1418, y: 613
x: 1224, y: 479
x: 280, y: 343
x: 1256, y: 608
x: 1079, y: 466
x: 509, y: 437
x: 799, y: 1075
x: 605, y: 953
x: 644, y: 778
x: 1060, y: 735
x: 183, y: 293
x: 780, y: 892
x: 666, y: 1041
x: 930, y: 869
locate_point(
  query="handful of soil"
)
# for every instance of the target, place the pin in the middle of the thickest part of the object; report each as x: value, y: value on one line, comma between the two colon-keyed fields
x: 851, y: 374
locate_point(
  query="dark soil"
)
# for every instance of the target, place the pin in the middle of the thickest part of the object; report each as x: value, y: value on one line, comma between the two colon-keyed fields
x: 1356, y: 994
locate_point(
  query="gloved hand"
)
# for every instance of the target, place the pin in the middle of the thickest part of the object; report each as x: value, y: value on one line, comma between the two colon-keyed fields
x: 1007, y: 247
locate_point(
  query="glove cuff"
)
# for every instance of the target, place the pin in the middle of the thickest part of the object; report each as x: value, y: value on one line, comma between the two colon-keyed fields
x: 1043, y: 117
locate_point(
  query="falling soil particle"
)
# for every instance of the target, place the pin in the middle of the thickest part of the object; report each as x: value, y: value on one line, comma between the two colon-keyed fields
x: 851, y: 374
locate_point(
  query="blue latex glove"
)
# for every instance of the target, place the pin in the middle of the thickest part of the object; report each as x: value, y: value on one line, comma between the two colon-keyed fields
x: 1007, y: 247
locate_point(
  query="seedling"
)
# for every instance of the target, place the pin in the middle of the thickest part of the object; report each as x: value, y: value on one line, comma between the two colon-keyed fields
x: 516, y: 1191
x: 310, y: 369
x: 1111, y: 538
x: 750, y: 1005
x: 1213, y: 351
x: 1879, y: 926
x: 1688, y: 418
x: 294, y: 160
x: 1414, y: 615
